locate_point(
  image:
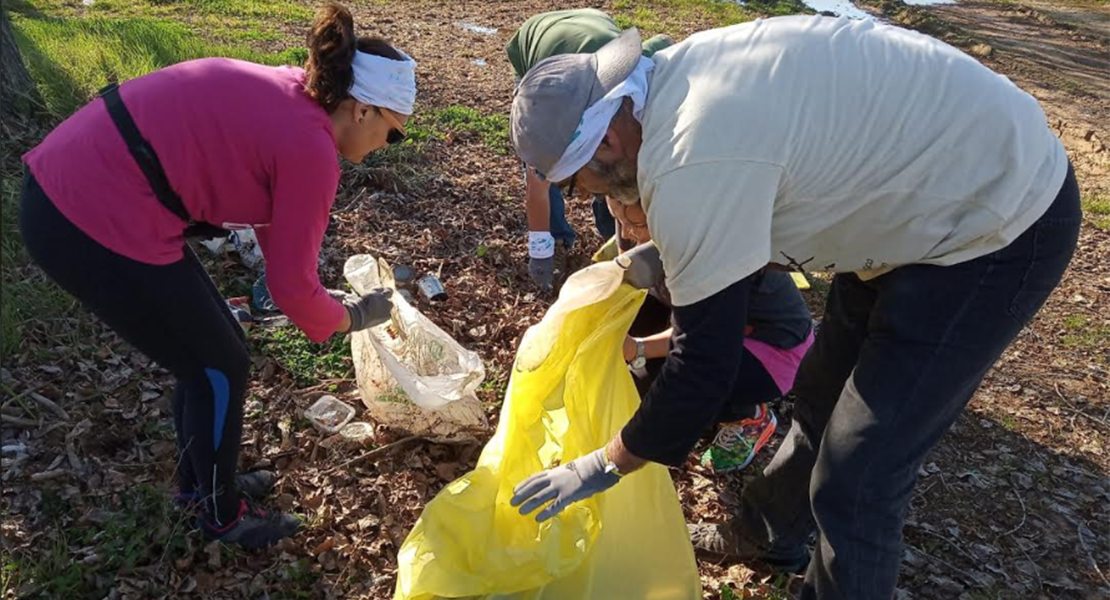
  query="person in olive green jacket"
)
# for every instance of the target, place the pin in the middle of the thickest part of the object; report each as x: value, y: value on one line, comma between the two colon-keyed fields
x: 542, y: 36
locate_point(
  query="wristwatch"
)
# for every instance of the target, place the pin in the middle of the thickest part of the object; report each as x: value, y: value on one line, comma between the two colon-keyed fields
x: 640, y: 361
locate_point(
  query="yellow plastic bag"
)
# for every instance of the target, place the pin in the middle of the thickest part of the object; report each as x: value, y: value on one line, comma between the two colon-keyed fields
x: 570, y: 392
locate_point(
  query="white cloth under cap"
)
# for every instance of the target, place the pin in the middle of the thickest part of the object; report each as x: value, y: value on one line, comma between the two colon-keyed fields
x: 384, y: 82
x: 595, y: 121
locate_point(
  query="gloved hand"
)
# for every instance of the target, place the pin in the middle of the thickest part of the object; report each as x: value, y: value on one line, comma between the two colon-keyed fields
x: 642, y: 266
x: 564, y: 485
x: 372, y: 309
x: 542, y: 271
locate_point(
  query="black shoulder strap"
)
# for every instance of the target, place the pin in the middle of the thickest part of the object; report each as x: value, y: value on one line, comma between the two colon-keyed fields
x: 143, y: 152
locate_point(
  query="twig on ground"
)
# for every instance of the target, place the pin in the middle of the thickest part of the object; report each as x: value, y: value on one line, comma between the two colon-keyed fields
x: 319, y: 386
x: 49, y: 405
x: 1070, y: 407
x: 49, y: 475
x: 1024, y: 513
x: 948, y: 541
x: 22, y: 395
x: 13, y: 421
x: 968, y: 576
x: 375, y: 453
x: 1083, y: 542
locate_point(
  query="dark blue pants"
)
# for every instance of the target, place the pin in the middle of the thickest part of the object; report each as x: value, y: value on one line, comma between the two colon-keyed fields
x: 561, y: 228
x: 896, y: 361
x: 173, y: 314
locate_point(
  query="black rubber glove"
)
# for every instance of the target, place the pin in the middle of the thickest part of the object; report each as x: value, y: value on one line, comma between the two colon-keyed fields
x: 642, y: 266
x: 542, y: 271
x: 372, y: 309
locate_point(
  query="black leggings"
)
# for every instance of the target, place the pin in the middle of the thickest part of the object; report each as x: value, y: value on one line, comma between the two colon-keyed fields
x: 754, y: 385
x: 173, y: 314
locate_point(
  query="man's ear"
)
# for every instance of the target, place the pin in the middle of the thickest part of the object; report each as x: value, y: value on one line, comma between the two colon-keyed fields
x: 362, y: 111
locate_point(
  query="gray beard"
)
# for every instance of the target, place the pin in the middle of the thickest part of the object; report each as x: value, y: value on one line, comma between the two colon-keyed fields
x: 620, y: 178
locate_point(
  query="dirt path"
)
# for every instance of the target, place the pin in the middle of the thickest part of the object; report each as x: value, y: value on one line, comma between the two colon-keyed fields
x: 1060, y: 54
x: 1057, y: 51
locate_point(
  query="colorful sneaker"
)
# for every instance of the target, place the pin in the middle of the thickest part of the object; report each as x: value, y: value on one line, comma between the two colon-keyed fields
x: 737, y: 442
x: 253, y: 527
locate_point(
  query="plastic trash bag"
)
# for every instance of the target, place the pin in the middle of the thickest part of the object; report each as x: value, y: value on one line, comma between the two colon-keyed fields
x: 570, y: 392
x: 413, y: 376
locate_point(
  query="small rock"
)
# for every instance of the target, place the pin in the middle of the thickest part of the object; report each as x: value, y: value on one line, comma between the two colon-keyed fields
x: 212, y: 550
x: 981, y: 50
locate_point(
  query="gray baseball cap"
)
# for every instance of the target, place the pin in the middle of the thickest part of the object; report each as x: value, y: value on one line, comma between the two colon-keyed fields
x: 554, y: 94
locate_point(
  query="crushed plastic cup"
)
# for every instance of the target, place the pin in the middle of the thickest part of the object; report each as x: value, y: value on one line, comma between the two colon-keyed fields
x: 329, y: 414
x: 358, y: 432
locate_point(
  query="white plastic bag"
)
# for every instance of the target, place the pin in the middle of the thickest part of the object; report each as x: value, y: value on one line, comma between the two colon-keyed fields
x: 246, y: 243
x: 412, y: 375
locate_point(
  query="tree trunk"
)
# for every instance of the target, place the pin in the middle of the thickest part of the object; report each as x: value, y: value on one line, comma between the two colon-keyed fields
x: 18, y: 96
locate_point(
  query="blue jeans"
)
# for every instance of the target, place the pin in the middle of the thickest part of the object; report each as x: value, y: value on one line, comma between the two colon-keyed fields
x: 896, y: 361
x: 561, y: 228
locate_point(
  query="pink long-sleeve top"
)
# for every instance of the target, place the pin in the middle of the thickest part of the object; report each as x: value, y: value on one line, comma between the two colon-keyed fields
x: 242, y: 144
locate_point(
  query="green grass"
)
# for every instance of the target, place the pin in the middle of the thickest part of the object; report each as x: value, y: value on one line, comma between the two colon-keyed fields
x: 70, y: 59
x: 139, y: 531
x: 671, y: 16
x: 306, y: 361
x: 223, y: 20
x: 1084, y: 334
x: 492, y: 129
x: 1097, y: 209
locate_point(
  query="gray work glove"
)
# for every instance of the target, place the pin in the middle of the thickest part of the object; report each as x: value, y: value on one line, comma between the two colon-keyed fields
x: 542, y: 271
x: 643, y: 267
x: 375, y: 308
x: 564, y: 485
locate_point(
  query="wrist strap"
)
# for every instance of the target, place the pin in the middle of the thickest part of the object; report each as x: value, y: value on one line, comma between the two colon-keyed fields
x: 541, y: 244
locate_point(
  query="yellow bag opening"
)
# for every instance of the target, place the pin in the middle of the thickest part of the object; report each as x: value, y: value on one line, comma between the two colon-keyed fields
x: 569, y: 393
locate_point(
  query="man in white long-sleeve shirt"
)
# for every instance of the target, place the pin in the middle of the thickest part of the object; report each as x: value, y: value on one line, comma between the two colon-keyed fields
x: 929, y: 184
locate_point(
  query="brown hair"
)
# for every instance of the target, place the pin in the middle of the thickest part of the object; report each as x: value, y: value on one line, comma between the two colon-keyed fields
x: 331, y: 48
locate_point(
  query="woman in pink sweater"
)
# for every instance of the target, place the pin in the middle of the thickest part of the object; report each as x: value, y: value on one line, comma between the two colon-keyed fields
x: 111, y: 194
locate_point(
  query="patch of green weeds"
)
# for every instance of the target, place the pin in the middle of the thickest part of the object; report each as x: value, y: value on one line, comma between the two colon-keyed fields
x: 1097, y: 209
x: 493, y: 129
x: 306, y: 361
x: 401, y: 166
x: 141, y: 530
x: 9, y: 573
x: 671, y: 16
x: 1082, y: 333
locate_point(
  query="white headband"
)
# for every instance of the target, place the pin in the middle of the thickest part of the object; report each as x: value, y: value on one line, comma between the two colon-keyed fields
x: 384, y: 82
x: 595, y: 121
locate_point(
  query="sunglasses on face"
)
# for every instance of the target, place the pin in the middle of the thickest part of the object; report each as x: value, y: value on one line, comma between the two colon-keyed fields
x: 396, y: 133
